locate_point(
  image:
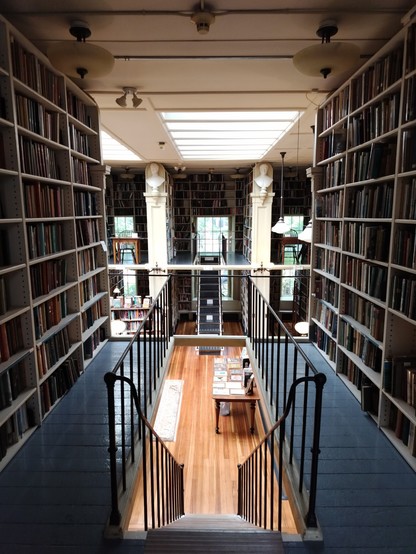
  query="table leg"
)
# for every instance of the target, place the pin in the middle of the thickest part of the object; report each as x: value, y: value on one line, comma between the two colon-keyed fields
x: 253, y: 411
x: 114, y: 251
x: 217, y: 415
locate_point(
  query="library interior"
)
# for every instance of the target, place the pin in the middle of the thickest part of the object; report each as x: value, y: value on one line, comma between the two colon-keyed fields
x: 208, y: 277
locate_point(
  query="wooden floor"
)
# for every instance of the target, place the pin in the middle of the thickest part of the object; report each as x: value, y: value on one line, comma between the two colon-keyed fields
x: 210, y: 460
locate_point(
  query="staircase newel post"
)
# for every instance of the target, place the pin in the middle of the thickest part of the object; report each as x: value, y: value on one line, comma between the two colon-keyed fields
x: 320, y: 380
x: 239, y: 490
x: 115, y: 516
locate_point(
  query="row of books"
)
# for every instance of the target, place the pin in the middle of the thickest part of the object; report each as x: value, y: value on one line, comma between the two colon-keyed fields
x: 49, y: 313
x: 327, y: 317
x: 376, y: 120
x: 90, y: 316
x: 80, y: 171
x: 34, y: 116
x: 88, y: 231
x: 328, y: 289
x: 377, y: 78
x: 15, y: 427
x: 371, y: 163
x: 409, y: 150
x: 325, y: 343
x: 11, y: 338
x: 370, y: 241
x: 133, y: 302
x: 44, y: 239
x: 329, y: 233
x: 49, y: 352
x: 43, y: 200
x: 370, y: 201
x: 47, y: 276
x: 131, y: 315
x: 337, y: 108
x: 400, y: 378
x: 12, y: 383
x: 58, y: 384
x: 30, y: 70
x: 328, y: 261
x: 36, y: 158
x: 78, y: 109
x: 92, y: 343
x: 87, y: 261
x: 404, y: 295
x: 88, y: 289
x: 86, y: 203
x: 329, y: 204
x: 402, y: 428
x: 334, y: 174
x: 78, y: 140
x: 4, y: 303
x: 405, y: 251
x: 409, y: 108
x: 347, y: 367
x: 365, y: 312
x: 361, y: 345
x: 408, y: 201
x: 411, y: 49
x: 368, y: 278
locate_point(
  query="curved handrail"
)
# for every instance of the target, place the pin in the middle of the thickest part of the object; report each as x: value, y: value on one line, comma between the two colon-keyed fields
x: 256, y: 476
x: 161, y: 472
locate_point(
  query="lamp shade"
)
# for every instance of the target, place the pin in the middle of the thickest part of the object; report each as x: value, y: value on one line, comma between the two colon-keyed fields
x: 306, y: 234
x: 327, y: 58
x: 280, y: 227
x: 77, y: 59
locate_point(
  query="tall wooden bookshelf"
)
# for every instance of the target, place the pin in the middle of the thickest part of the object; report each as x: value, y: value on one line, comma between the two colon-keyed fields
x: 297, y: 199
x: 364, y: 246
x: 206, y: 195
x: 126, y: 199
x: 54, y: 305
x: 247, y: 217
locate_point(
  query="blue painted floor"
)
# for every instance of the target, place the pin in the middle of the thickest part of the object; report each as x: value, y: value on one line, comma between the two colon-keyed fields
x: 55, y: 496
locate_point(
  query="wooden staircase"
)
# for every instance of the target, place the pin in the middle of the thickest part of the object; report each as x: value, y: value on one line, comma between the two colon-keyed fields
x: 212, y: 533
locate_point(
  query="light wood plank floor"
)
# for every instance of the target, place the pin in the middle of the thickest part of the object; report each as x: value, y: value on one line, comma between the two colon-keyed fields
x: 210, y: 460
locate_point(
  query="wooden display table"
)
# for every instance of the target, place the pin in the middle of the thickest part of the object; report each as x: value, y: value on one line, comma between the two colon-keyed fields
x: 253, y: 399
x: 118, y: 242
x: 228, y: 386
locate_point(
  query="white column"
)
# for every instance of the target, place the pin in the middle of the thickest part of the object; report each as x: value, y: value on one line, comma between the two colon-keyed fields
x: 156, y: 198
x: 262, y: 199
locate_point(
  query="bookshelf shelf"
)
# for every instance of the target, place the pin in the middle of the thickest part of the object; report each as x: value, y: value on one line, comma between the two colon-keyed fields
x: 51, y: 228
x: 364, y: 247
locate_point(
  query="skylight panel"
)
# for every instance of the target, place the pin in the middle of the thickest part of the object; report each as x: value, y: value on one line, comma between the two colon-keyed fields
x: 114, y: 150
x: 238, y: 135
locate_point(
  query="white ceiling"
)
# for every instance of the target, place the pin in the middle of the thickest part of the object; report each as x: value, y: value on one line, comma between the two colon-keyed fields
x: 244, y: 62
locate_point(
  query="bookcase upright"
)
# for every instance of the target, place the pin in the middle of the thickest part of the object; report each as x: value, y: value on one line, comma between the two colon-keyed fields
x: 54, y: 306
x: 364, y: 244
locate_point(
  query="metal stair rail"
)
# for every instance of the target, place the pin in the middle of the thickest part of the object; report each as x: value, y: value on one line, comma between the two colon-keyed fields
x: 132, y: 388
x: 260, y: 477
x: 280, y: 362
x: 162, y: 475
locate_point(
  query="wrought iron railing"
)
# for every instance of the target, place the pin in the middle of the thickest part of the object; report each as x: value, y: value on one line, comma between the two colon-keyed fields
x: 132, y: 388
x: 261, y: 477
x: 282, y: 366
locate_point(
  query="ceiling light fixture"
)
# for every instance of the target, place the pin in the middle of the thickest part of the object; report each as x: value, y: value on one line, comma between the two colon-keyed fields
x: 306, y: 234
x: 203, y: 20
x: 281, y: 226
x: 80, y: 58
x: 122, y: 100
x: 327, y: 58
